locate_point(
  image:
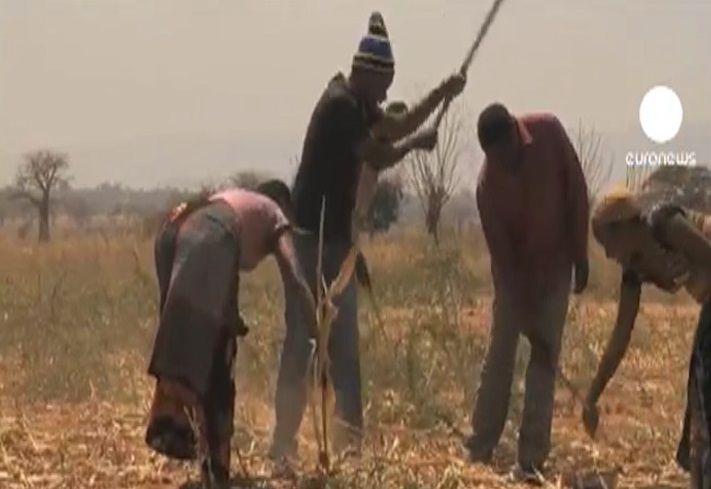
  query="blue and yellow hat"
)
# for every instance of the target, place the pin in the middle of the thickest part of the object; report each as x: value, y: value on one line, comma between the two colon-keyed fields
x: 374, y: 51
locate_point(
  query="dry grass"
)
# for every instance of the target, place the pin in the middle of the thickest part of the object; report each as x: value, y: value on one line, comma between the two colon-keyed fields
x: 77, y: 318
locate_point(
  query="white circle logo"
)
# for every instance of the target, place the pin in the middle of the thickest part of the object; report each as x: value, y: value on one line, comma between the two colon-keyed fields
x: 660, y: 114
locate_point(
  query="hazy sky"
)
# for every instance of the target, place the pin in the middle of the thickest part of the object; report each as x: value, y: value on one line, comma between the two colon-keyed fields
x: 153, y: 92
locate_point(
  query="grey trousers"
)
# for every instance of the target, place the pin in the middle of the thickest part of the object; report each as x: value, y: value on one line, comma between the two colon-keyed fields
x: 293, y: 381
x: 543, y: 327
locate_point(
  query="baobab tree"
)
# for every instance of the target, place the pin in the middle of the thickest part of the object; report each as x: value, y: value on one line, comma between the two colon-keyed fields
x: 637, y: 176
x: 41, y: 173
x: 433, y: 175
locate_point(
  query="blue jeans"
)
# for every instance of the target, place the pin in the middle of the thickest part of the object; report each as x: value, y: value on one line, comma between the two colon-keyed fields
x: 293, y: 380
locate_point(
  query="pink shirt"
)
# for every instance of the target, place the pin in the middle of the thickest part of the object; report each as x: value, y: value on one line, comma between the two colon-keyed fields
x: 537, y: 217
x: 260, y: 222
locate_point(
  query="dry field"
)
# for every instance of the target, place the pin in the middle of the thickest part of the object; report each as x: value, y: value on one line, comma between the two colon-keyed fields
x: 77, y: 318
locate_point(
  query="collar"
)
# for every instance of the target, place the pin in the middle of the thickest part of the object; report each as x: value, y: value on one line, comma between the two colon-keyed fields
x: 341, y: 79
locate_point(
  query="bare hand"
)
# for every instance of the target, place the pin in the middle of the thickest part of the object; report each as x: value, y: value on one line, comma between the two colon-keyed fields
x: 591, y: 419
x: 454, y: 85
x: 426, y: 139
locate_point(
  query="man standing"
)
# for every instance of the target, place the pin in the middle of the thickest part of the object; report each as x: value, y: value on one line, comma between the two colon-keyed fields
x: 533, y: 204
x: 347, y: 128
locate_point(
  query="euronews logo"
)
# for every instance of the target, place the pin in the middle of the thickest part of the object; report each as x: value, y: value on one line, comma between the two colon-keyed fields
x: 661, y: 115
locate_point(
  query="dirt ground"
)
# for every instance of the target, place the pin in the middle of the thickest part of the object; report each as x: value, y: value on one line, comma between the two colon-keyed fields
x: 99, y: 444
x: 77, y: 318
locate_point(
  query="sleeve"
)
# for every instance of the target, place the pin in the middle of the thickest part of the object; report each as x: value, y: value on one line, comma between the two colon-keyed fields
x: 576, y: 196
x: 659, y: 216
x: 396, y: 127
x: 495, y: 235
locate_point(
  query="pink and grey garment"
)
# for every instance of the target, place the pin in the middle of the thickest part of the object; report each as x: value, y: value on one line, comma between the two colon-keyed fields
x: 199, y: 252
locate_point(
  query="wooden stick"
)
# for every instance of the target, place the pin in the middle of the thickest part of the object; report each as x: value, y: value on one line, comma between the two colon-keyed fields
x: 470, y: 54
x: 321, y: 352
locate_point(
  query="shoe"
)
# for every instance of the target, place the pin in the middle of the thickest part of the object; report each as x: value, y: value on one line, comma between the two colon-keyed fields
x: 527, y: 473
x: 477, y: 453
x: 170, y: 439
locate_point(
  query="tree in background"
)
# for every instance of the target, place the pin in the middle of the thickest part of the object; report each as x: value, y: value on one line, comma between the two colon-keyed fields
x: 461, y: 210
x: 687, y: 186
x: 385, y: 208
x: 636, y: 176
x: 595, y: 161
x: 433, y: 176
x: 41, y: 173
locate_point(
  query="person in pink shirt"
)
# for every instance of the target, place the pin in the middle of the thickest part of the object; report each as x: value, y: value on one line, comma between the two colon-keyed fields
x: 533, y: 203
x: 199, y: 251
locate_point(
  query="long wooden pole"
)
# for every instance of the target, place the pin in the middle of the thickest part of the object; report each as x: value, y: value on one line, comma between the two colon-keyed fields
x: 470, y: 54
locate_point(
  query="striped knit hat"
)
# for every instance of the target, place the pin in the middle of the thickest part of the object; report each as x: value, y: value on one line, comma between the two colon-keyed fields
x: 374, y: 51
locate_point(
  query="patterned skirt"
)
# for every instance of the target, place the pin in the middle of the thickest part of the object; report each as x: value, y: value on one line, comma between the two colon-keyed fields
x: 694, y: 452
x: 197, y: 263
